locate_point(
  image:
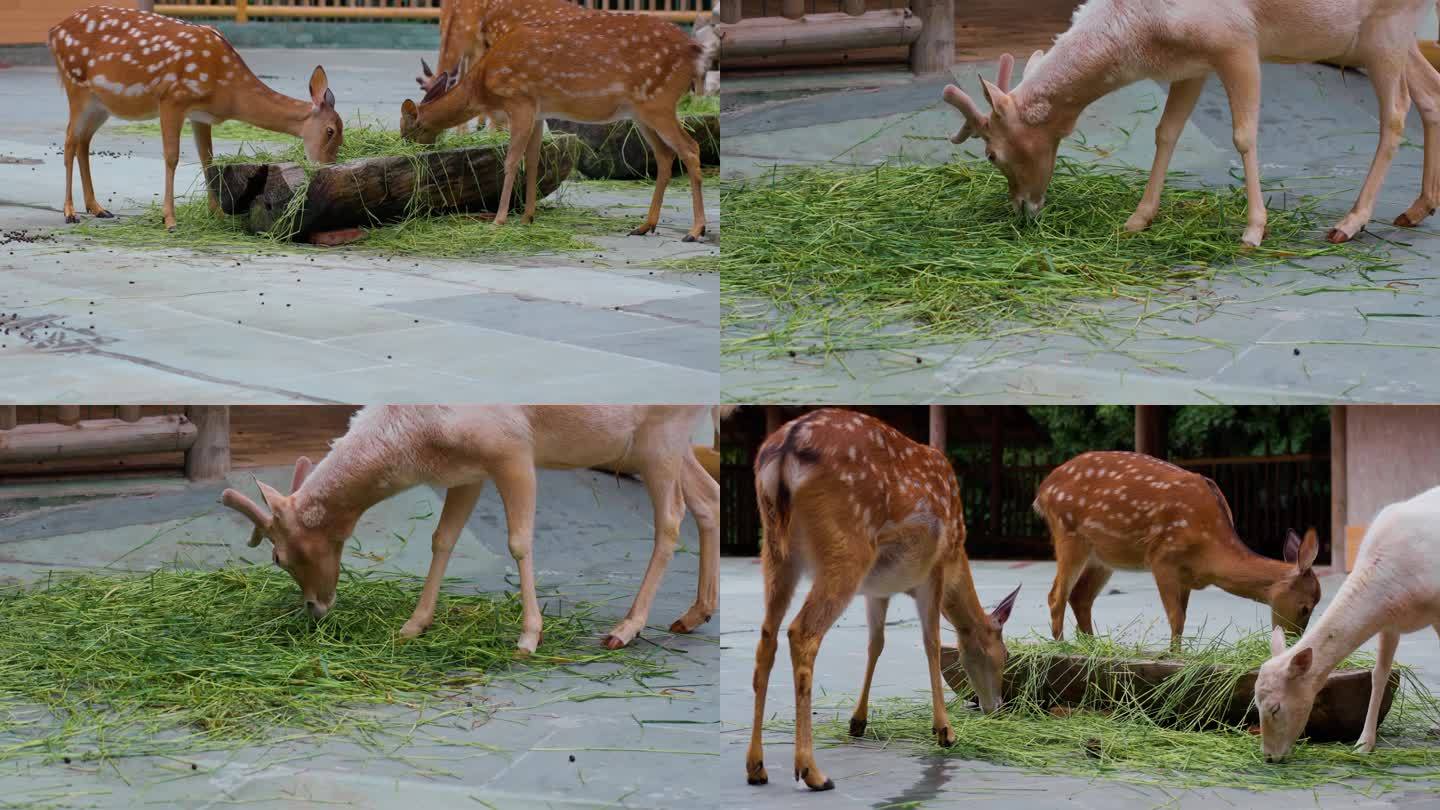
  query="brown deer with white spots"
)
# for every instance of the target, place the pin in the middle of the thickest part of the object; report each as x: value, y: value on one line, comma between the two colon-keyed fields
x: 594, y: 69
x: 138, y: 65
x: 1109, y: 510
x: 863, y: 509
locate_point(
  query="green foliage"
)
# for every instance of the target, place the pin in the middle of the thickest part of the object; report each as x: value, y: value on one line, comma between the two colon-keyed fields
x: 1194, y: 431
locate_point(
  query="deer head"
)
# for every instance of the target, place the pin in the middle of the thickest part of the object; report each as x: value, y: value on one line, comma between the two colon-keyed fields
x: 1284, y: 696
x: 983, y: 653
x: 1293, y: 599
x: 306, y: 540
x: 322, y: 132
x: 1023, y: 151
x: 438, y: 109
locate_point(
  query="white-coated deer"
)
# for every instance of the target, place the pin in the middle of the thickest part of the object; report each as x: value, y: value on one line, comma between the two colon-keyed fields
x: 1394, y: 589
x: 392, y: 448
x: 594, y: 69
x: 134, y: 64
x: 1113, y: 43
x: 1109, y: 510
x: 861, y: 508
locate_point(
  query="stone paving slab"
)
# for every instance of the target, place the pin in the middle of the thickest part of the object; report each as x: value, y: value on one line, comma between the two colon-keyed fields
x: 868, y: 775
x: 593, y: 539
x: 1317, y: 135
x: 168, y: 317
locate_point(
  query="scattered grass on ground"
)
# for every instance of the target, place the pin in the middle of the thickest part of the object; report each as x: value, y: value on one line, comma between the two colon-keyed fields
x: 96, y: 667
x: 819, y: 260
x: 692, y: 104
x: 1169, y: 737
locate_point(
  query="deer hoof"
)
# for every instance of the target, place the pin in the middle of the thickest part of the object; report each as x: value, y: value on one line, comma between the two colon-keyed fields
x: 642, y: 230
x: 71, y: 219
x: 945, y: 736
x: 755, y: 774
x: 1337, y: 236
x: 103, y: 214
x: 857, y: 726
x: 613, y: 642
x: 412, y: 629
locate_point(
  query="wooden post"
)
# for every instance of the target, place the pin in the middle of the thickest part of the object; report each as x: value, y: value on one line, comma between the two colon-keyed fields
x: 128, y: 413
x: 853, y: 7
x: 1339, y: 488
x: 68, y: 414
x: 7, y: 417
x: 1150, y: 431
x: 997, y: 472
x: 772, y: 419
x: 242, y: 11
x: 934, y: 51
x: 792, y: 9
x: 730, y: 11
x: 209, y: 457
x: 146, y: 5
x: 937, y: 427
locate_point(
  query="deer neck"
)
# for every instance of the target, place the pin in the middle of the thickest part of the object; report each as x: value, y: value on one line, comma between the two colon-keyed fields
x: 1084, y: 65
x: 252, y: 101
x: 462, y: 103
x: 1353, y: 618
x: 1238, y: 570
x: 961, y: 603
x: 354, y: 476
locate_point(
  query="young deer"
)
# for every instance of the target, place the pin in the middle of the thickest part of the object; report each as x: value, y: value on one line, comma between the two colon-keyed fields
x: 1112, y: 43
x: 134, y: 64
x: 597, y: 68
x: 1109, y: 510
x: 1394, y: 589
x: 468, y: 26
x: 390, y: 449
x: 850, y: 500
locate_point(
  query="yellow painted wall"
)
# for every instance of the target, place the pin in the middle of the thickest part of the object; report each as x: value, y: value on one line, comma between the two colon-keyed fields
x: 27, y: 22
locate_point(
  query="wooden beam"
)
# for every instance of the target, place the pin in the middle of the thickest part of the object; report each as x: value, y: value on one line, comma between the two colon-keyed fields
x: 997, y: 470
x: 209, y: 457
x: 128, y: 413
x: 763, y: 36
x: 933, y: 51
x: 67, y: 414
x: 1339, y: 487
x: 937, y: 427
x: 95, y: 438
x: 792, y: 9
x: 773, y: 421
x: 1150, y: 434
x: 730, y: 11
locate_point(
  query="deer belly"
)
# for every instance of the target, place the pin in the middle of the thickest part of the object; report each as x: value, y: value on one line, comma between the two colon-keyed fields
x: 897, y: 569
x: 1116, y: 551
x: 598, y: 111
x: 129, y: 101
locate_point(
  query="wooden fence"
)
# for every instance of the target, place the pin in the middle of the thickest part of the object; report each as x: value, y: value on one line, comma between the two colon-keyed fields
x: 245, y: 10
x: 36, y: 439
x: 925, y: 27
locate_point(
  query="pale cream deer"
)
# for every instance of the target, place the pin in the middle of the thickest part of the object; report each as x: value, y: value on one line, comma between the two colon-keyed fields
x: 1113, y: 43
x: 1109, y: 510
x: 1394, y: 589
x: 862, y: 509
x: 138, y: 65
x: 593, y: 69
x: 389, y: 449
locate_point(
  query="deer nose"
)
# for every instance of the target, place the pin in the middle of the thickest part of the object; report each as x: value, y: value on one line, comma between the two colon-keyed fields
x: 316, y: 609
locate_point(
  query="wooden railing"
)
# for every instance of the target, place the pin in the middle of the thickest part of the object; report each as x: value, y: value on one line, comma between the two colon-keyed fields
x: 925, y: 27
x: 202, y: 433
x: 246, y: 10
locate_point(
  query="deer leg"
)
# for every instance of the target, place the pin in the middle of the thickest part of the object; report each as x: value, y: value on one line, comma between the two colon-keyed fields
x: 1424, y: 85
x: 664, y: 166
x: 1387, y: 74
x: 834, y: 586
x: 532, y: 170
x: 780, y: 579
x: 89, y: 123
x: 1379, y: 678
x: 927, y: 599
x: 516, y: 482
x: 702, y: 497
x: 1082, y: 597
x: 875, y: 609
x: 1178, y: 106
x: 1071, y: 556
x: 79, y: 99
x: 522, y: 119
x: 459, y: 503
x: 669, y: 129
x: 206, y: 147
x: 663, y: 482
x: 172, y: 118
x: 1240, y: 73
x: 1175, y: 597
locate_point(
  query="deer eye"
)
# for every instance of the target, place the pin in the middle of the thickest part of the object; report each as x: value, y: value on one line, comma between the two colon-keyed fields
x: 329, y: 132
x: 990, y: 156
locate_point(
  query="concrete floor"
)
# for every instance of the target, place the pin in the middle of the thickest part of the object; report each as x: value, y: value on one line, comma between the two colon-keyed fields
x: 592, y: 543
x: 1239, y: 339
x: 866, y: 776
x: 117, y: 325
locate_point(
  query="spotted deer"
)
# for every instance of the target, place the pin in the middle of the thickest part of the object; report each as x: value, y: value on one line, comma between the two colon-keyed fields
x: 467, y: 27
x: 1394, y: 589
x: 861, y: 508
x: 138, y: 65
x: 392, y: 448
x: 595, y: 69
x: 1108, y: 510
x: 1114, y: 43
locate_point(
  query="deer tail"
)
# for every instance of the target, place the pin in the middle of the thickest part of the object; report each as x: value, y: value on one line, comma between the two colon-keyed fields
x: 780, y: 467
x: 1220, y: 499
x: 707, y: 45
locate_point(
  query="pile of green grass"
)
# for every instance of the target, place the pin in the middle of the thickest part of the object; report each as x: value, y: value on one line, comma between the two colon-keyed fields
x: 95, y: 667
x: 829, y: 259
x: 227, y: 131
x: 1167, y: 737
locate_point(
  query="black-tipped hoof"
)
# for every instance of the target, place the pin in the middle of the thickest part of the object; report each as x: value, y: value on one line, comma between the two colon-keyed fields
x: 757, y: 780
x: 103, y: 214
x: 829, y: 785
x: 857, y: 727
x: 71, y: 219
x: 689, y: 238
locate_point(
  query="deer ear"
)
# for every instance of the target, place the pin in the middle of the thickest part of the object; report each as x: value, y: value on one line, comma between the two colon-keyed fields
x: 1292, y: 546
x: 1001, y: 612
x: 320, y: 87
x: 408, y: 108
x: 302, y: 471
x: 1032, y: 63
x: 999, y: 100
x: 1277, y: 641
x: 272, y: 496
x: 1309, y: 550
x: 1300, y: 663
x: 425, y: 68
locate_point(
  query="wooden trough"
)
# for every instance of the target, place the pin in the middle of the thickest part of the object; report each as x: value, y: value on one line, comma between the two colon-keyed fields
x: 1338, y: 715
x: 615, y: 151
x: 370, y: 191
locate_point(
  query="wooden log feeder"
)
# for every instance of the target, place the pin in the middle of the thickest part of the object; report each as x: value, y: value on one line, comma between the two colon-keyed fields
x: 616, y: 151
x: 371, y: 191
x: 813, y: 33
x: 1338, y: 716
